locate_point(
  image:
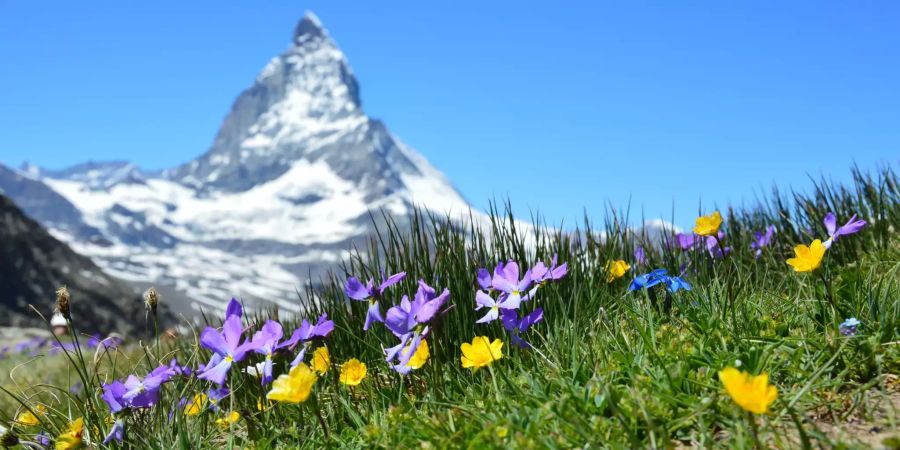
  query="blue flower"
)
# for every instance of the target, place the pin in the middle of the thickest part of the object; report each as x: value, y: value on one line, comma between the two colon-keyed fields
x: 848, y: 327
x: 648, y: 280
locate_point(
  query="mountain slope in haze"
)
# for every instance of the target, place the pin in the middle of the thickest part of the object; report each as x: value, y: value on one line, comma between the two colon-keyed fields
x: 279, y: 197
x: 33, y: 264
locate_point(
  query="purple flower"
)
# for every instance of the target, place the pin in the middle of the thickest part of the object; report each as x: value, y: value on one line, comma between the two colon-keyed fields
x: 410, y: 322
x: 712, y: 246
x: 357, y: 291
x: 264, y: 342
x: 305, y: 334
x: 145, y: 393
x: 685, y: 241
x: 541, y: 274
x: 111, y: 342
x: 517, y: 326
x: 117, y: 432
x: 42, y: 438
x: 234, y: 308
x: 93, y: 341
x: 482, y: 300
x: 639, y: 257
x: 484, y: 279
x: 177, y: 369
x: 852, y: 226
x: 506, y: 280
x: 404, y: 351
x: 113, y: 395
x: 761, y: 240
x: 848, y: 327
x: 407, y: 316
x: 215, y: 396
x: 227, y: 349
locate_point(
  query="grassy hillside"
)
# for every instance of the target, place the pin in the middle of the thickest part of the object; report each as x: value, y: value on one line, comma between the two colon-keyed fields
x: 606, y: 367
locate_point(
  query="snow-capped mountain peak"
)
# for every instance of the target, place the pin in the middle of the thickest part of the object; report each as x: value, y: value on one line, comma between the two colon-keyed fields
x: 281, y: 194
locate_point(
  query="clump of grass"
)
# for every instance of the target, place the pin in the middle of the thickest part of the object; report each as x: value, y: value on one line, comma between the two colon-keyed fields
x: 609, y: 367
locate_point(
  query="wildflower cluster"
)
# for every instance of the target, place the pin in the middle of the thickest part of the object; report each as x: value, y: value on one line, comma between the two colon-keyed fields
x: 248, y: 377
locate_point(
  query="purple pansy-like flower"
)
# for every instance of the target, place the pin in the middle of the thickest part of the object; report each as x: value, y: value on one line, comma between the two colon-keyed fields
x: 483, y: 277
x: 145, y: 393
x: 648, y: 280
x: 482, y: 300
x: 357, y: 291
x: 214, y: 397
x: 410, y: 322
x: 93, y: 341
x: 834, y: 232
x: 541, y: 274
x: 407, y: 316
x: 762, y: 240
x: 264, y: 342
x: 178, y: 369
x: 113, y: 395
x: 685, y: 241
x: 517, y: 326
x: 506, y: 280
x: 227, y: 349
x: 712, y: 246
x: 404, y: 351
x: 305, y: 335
x: 234, y: 308
x: 117, y: 433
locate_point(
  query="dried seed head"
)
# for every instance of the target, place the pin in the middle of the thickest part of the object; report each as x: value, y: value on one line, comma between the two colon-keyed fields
x: 151, y: 300
x: 62, y: 302
x: 9, y: 439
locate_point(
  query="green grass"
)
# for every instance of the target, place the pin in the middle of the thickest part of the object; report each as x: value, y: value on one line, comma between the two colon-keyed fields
x: 608, y: 368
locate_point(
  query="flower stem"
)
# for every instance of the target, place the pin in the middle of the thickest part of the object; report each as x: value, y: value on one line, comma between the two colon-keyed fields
x: 754, y: 430
x: 494, y: 383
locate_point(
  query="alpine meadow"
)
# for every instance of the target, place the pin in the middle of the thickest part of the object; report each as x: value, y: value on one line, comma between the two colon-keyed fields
x: 775, y: 326
x: 311, y: 281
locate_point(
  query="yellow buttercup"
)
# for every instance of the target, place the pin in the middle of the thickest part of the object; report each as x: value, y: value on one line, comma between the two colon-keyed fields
x: 708, y: 225
x: 480, y: 352
x: 752, y: 393
x: 808, y: 258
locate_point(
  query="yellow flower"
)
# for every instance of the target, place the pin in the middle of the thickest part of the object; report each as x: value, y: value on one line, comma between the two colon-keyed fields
x: 808, y: 258
x: 753, y: 393
x: 480, y: 352
x: 196, y: 405
x: 502, y: 432
x: 73, y: 436
x: 708, y: 225
x: 229, y: 420
x: 353, y: 372
x: 293, y: 387
x: 615, y: 270
x: 420, y: 357
x: 28, y: 418
x: 321, y: 360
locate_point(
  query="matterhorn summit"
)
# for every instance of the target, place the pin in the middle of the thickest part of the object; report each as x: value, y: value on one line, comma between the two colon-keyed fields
x: 281, y: 194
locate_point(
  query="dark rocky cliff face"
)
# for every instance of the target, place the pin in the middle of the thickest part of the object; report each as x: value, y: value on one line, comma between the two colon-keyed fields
x: 33, y: 264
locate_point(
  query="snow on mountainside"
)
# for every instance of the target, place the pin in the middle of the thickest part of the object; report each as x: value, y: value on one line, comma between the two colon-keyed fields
x: 285, y: 188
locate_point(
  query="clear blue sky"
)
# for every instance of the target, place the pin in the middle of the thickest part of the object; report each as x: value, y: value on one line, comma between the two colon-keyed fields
x: 560, y: 105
